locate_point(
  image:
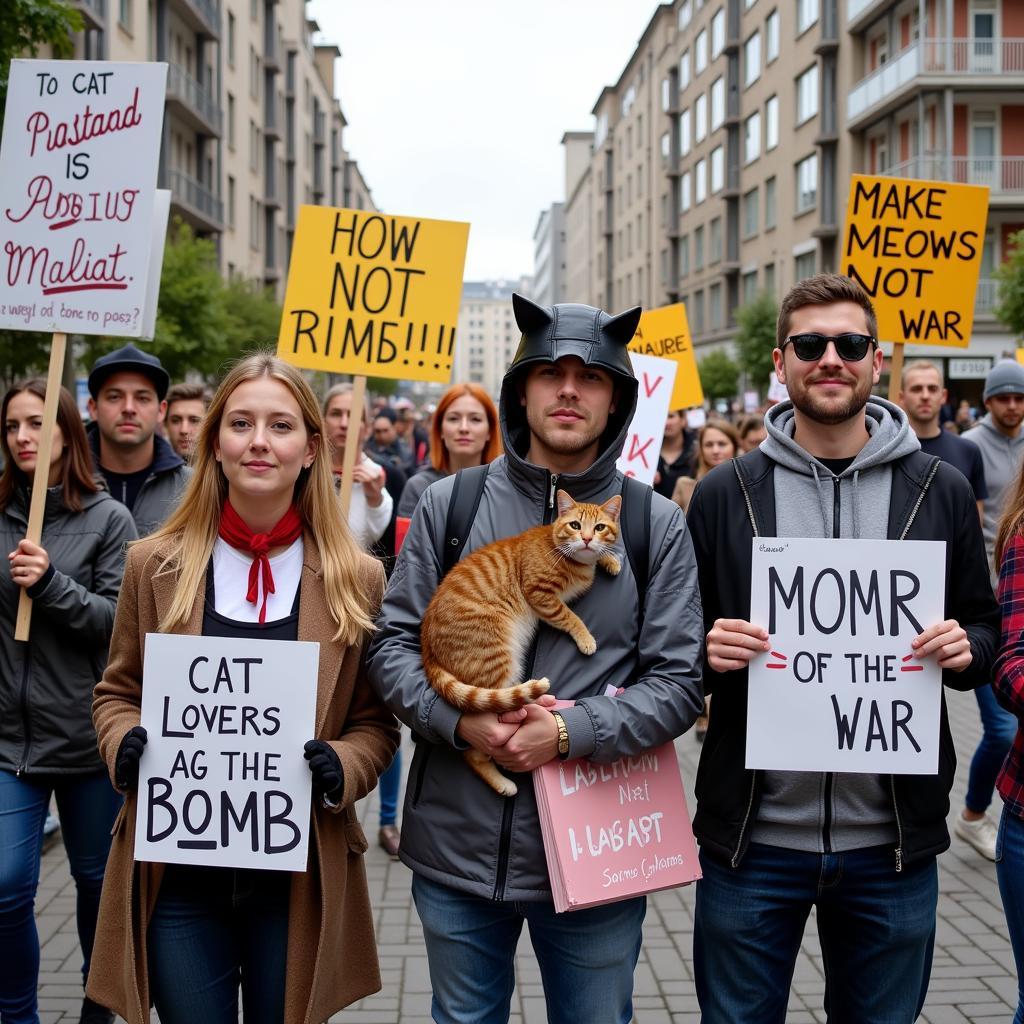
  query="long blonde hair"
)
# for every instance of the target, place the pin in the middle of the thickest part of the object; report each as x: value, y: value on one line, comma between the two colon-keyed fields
x: 192, y: 528
x: 1012, y: 520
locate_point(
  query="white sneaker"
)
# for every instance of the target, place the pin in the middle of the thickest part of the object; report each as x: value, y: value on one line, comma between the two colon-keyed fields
x: 980, y: 834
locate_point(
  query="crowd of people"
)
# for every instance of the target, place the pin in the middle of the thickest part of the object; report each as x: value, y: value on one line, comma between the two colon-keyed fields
x: 177, y: 510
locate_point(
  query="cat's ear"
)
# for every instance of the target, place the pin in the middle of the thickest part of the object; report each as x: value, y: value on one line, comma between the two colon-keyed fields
x: 623, y: 327
x: 529, y: 316
x: 612, y: 507
x: 563, y: 501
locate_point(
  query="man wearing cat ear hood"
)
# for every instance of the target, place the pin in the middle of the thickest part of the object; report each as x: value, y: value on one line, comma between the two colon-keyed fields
x: 478, y: 859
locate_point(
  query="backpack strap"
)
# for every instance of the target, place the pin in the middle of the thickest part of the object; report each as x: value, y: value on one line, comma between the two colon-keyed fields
x: 466, y: 494
x: 636, y: 534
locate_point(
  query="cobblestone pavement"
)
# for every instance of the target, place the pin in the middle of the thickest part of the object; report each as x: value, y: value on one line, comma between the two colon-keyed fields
x: 973, y: 977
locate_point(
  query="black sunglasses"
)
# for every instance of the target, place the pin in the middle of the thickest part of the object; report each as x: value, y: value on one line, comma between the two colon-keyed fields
x: 851, y: 348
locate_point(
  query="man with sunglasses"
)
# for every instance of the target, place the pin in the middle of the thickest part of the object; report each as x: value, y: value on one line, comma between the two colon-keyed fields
x: 859, y: 848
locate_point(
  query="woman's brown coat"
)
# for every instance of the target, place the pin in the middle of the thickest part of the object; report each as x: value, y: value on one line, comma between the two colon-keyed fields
x: 332, y: 955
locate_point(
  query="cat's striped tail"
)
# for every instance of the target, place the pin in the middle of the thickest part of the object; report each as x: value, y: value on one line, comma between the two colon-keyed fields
x: 478, y: 698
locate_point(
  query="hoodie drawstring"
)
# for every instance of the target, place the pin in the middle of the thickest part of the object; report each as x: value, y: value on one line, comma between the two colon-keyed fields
x: 826, y: 512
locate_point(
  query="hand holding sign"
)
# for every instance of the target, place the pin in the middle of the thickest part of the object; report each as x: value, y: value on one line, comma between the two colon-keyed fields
x: 733, y: 643
x: 949, y: 640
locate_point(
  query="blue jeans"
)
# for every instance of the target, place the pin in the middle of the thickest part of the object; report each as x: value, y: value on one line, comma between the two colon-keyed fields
x: 88, y: 805
x: 389, y: 785
x: 877, y: 931
x: 1010, y: 872
x: 998, y: 730
x: 211, y: 929
x: 586, y: 957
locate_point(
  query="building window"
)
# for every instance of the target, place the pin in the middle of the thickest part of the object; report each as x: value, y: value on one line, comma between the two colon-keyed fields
x: 770, y: 216
x: 717, y: 33
x: 685, y: 137
x: 254, y: 74
x: 254, y: 10
x: 717, y: 169
x: 807, y: 94
x: 684, y: 70
x: 700, y: 52
x: 254, y: 223
x: 771, y: 123
x: 231, y: 201
x: 751, y: 215
x: 715, y: 310
x: 769, y: 279
x: 231, y: 39
x: 231, y: 121
x: 748, y: 287
x: 717, y: 103
x: 124, y: 14
x: 752, y: 59
x: 771, y: 37
x: 685, y: 186
x: 666, y: 94
x: 684, y: 256
x: 685, y: 13
x: 696, y: 311
x: 700, y: 118
x: 698, y: 248
x: 806, y: 14
x: 700, y: 184
x: 666, y: 146
x: 254, y: 146
x: 807, y: 183
x: 804, y: 265
x: 752, y: 137
x: 715, y: 235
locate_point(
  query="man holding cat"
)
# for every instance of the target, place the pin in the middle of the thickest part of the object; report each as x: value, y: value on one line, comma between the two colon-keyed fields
x: 860, y: 848
x: 477, y: 857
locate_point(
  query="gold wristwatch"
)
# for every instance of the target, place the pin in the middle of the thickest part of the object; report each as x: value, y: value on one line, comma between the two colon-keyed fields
x: 563, y: 735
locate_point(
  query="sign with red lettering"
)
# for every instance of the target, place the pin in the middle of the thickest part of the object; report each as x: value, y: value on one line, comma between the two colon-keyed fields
x: 657, y: 378
x: 78, y: 169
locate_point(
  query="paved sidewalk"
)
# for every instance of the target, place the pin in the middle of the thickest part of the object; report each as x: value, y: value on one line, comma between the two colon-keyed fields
x: 973, y: 977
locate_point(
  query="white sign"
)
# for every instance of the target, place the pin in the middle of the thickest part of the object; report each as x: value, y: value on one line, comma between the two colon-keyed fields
x: 78, y: 168
x: 223, y: 780
x: 656, y: 377
x: 840, y: 689
x: 696, y: 418
x: 161, y: 213
x: 969, y: 369
x: 777, y: 391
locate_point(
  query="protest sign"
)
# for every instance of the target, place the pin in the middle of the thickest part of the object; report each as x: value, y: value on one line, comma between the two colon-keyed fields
x: 840, y: 689
x: 373, y: 295
x: 222, y: 780
x: 664, y: 332
x: 161, y: 213
x: 78, y: 168
x: 639, y: 456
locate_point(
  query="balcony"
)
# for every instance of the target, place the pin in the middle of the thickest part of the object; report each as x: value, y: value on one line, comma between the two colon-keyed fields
x: 986, y: 297
x: 860, y: 12
x: 195, y: 202
x: 192, y: 101
x: 1004, y: 176
x: 273, y: 114
x: 202, y: 15
x: 94, y: 12
x: 271, y: 47
x: 933, y: 63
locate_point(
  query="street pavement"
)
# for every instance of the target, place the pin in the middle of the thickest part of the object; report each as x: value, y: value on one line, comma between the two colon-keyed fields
x: 973, y: 977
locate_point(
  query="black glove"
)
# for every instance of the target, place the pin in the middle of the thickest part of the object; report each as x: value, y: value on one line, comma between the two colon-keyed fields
x: 126, y: 767
x: 328, y: 777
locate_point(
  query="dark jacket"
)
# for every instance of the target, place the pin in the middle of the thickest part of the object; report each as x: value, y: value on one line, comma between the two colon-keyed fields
x: 46, y: 684
x: 162, y: 489
x: 930, y: 500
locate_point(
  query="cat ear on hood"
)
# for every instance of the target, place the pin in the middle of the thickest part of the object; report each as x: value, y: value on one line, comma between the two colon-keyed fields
x: 529, y: 316
x: 623, y: 327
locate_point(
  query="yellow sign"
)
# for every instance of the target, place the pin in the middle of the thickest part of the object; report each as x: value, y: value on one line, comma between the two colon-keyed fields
x: 664, y: 332
x: 1020, y: 355
x: 373, y: 295
x: 915, y: 248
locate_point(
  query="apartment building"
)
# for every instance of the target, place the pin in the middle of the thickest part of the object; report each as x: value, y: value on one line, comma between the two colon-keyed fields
x: 720, y: 160
x: 549, y: 256
x: 487, y: 335
x: 252, y: 127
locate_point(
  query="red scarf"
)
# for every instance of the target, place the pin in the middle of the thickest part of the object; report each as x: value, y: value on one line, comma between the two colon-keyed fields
x: 234, y: 530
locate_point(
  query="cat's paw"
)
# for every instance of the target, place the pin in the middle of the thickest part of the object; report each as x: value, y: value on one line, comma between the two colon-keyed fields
x: 586, y: 644
x: 505, y: 788
x: 611, y: 565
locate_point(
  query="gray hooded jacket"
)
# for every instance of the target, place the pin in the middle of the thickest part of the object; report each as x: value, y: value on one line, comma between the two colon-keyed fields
x: 455, y: 829
x: 798, y: 808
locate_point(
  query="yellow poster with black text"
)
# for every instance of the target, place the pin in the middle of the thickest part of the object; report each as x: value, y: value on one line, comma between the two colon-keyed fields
x: 373, y: 294
x: 915, y: 248
x: 664, y: 332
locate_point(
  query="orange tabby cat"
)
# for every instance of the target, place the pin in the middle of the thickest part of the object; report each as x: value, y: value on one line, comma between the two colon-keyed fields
x: 480, y: 622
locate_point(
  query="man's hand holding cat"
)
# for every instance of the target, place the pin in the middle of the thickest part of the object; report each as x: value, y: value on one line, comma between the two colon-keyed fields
x: 486, y: 732
x: 534, y: 743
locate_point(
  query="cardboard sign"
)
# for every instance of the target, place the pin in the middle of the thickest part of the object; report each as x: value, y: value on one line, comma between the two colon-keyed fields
x: 639, y: 456
x: 78, y: 168
x: 915, y: 248
x: 777, y: 391
x: 373, y: 295
x: 222, y: 780
x: 664, y: 332
x: 840, y: 689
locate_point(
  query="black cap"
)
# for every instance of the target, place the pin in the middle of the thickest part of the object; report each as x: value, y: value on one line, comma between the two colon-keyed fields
x: 129, y: 360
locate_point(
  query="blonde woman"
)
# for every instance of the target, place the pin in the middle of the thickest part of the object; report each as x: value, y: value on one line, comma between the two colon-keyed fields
x: 256, y: 549
x: 717, y: 442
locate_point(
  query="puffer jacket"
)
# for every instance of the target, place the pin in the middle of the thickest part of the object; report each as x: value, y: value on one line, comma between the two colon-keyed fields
x: 455, y: 829
x: 46, y: 683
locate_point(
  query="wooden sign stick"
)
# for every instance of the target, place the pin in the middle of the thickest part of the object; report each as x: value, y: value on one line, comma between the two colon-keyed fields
x: 41, y: 476
x: 896, y: 371
x: 352, y: 440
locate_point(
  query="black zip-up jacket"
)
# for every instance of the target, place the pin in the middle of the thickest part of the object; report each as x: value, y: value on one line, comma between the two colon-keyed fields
x: 930, y: 500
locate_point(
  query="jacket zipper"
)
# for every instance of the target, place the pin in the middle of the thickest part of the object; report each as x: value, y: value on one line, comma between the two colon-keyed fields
x: 746, y: 498
x: 920, y: 498
x: 899, y: 825
x: 26, y: 678
x: 505, y: 843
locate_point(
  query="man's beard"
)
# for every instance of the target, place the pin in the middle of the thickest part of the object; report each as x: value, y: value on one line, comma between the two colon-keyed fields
x: 827, y: 414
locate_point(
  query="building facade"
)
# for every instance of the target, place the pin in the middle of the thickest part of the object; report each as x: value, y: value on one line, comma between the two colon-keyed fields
x: 549, y: 256
x: 487, y: 335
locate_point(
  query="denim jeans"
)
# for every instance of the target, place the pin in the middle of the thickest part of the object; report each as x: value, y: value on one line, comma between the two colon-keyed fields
x: 586, y: 957
x: 211, y: 929
x: 998, y: 728
x: 1010, y: 872
x: 389, y: 785
x: 876, y: 926
x: 88, y: 805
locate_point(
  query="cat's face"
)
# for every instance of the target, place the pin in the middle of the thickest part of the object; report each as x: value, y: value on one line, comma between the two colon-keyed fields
x: 584, y: 532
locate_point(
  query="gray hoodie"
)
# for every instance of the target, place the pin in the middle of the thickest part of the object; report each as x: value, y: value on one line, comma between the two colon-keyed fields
x: 800, y: 809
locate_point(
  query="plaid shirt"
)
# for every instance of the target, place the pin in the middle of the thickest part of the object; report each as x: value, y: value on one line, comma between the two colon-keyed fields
x: 1009, y: 681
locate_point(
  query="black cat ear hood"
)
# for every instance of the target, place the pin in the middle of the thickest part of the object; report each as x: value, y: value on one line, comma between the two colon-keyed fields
x: 550, y: 333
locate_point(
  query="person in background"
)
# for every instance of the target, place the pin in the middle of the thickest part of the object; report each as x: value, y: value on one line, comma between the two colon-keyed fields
x: 47, y: 739
x: 385, y: 446
x: 411, y: 434
x: 751, y: 432
x: 256, y: 551
x: 717, y: 442
x: 186, y: 408
x: 127, y: 392
x: 964, y: 417
x: 676, y: 453
x: 371, y: 505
